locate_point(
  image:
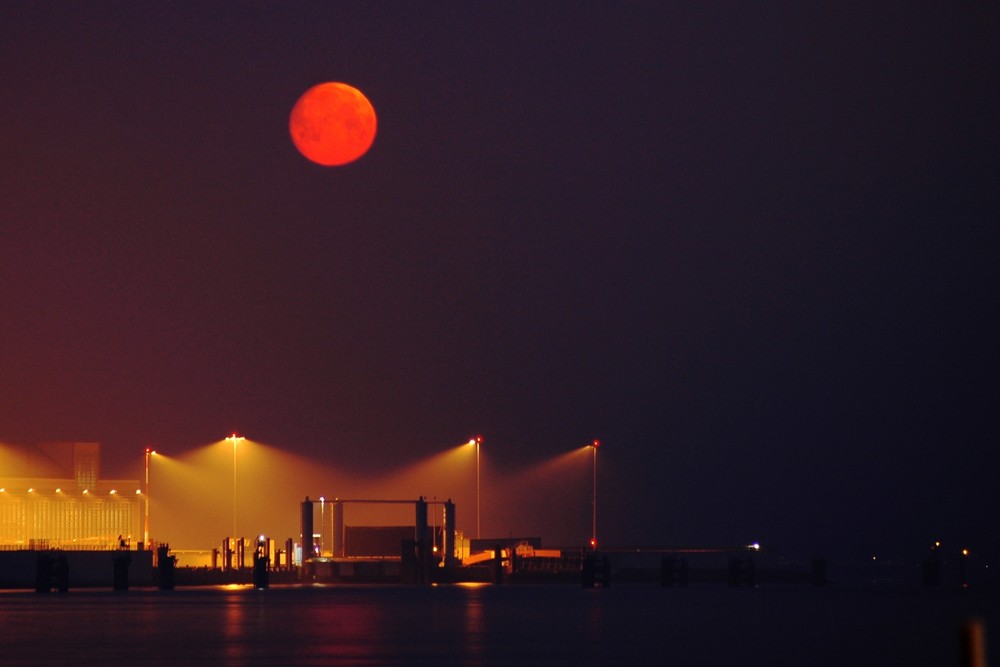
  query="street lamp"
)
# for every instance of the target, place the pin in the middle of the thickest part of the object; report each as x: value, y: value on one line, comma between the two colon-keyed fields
x: 234, y: 439
x: 145, y: 529
x: 477, y: 441
x: 593, y: 526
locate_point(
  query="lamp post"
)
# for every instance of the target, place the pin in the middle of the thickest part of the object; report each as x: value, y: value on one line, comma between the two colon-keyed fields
x: 234, y: 439
x: 593, y: 526
x: 477, y: 441
x: 145, y: 529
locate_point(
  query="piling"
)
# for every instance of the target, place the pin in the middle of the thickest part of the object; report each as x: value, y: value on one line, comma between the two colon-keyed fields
x: 308, y: 548
x: 260, y: 563
x: 450, y: 561
x: 497, y: 564
x: 165, y: 564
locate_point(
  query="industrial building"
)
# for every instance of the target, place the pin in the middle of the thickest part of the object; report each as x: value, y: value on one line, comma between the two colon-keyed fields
x: 52, y: 497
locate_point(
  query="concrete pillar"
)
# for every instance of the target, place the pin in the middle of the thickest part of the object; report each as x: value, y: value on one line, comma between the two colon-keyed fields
x: 307, y: 530
x: 338, y: 530
x: 450, y: 547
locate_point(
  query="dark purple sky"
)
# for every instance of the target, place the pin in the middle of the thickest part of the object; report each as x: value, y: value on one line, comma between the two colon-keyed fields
x: 753, y: 249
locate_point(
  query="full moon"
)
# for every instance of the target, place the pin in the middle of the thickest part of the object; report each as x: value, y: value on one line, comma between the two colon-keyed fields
x: 332, y: 124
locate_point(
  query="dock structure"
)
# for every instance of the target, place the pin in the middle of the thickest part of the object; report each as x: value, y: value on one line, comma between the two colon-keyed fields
x: 362, y: 553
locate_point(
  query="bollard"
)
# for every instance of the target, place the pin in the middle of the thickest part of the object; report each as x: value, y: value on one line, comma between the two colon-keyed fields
x: 260, y: 578
x: 498, y: 564
x: 165, y: 568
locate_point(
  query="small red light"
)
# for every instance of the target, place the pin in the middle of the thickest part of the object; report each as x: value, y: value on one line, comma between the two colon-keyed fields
x: 597, y: 443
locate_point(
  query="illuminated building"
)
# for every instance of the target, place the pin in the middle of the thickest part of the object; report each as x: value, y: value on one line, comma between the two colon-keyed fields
x: 52, y: 497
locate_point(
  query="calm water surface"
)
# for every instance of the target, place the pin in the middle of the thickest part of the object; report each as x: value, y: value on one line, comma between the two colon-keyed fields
x: 491, y: 625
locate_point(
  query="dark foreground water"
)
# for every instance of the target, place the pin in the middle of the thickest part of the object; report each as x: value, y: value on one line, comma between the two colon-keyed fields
x: 491, y: 625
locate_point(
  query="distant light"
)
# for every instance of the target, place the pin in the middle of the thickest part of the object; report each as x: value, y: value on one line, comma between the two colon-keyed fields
x: 322, y: 499
x: 755, y: 546
x: 595, y: 443
x: 58, y: 490
x: 138, y: 492
x: 965, y: 552
x: 31, y: 490
x: 86, y: 491
x: 113, y: 492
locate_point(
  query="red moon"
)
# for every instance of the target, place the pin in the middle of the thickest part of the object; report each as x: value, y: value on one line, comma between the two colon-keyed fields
x: 332, y: 124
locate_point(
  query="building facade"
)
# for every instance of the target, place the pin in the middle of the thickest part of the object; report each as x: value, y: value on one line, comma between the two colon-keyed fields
x: 52, y: 497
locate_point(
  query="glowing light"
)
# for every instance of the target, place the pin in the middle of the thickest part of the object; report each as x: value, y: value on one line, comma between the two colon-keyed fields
x: 235, y: 439
x: 755, y: 546
x: 476, y: 442
x: 332, y: 124
x: 58, y: 490
x: 965, y: 552
x: 593, y: 526
x: 31, y: 490
x: 145, y: 525
x: 112, y: 492
x: 471, y: 584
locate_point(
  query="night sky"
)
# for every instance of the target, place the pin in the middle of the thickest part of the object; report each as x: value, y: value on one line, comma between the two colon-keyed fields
x: 750, y: 247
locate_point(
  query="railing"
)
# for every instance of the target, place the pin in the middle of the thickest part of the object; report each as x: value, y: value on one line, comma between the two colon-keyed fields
x: 56, y: 545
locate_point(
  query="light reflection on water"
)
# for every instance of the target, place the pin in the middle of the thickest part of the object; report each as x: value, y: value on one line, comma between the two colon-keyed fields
x: 488, y: 625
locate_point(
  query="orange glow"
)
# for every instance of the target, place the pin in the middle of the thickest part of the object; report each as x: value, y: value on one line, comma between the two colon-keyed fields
x: 332, y: 124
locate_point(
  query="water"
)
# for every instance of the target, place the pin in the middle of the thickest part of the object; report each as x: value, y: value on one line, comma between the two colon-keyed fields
x: 490, y: 625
